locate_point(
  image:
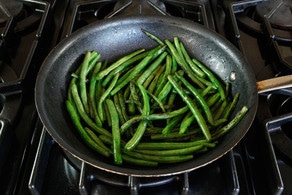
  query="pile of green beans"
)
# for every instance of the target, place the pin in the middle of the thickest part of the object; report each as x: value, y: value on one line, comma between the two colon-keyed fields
x: 150, y: 106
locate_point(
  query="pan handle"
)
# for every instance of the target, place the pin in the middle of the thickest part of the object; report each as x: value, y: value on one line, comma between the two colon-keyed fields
x: 274, y: 84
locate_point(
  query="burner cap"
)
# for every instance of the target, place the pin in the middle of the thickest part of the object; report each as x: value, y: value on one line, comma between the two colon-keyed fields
x: 281, y: 15
x: 9, y: 8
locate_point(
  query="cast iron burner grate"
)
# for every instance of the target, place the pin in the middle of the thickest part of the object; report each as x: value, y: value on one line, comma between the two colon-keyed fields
x: 9, y: 9
x: 279, y: 11
x: 24, y: 43
x: 17, y: 47
x: 82, y: 13
x: 265, y: 19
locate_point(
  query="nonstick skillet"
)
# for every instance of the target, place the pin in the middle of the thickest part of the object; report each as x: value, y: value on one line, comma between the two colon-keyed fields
x: 117, y: 36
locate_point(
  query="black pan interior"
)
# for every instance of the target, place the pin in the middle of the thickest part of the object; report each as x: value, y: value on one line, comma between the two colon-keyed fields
x: 116, y: 37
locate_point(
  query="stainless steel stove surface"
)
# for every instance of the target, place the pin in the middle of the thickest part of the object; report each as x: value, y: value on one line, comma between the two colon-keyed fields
x: 32, y: 163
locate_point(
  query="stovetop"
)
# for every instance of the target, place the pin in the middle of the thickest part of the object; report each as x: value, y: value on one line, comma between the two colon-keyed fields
x: 32, y: 163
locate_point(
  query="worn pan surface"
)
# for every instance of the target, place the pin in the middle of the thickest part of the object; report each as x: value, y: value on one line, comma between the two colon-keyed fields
x: 116, y: 37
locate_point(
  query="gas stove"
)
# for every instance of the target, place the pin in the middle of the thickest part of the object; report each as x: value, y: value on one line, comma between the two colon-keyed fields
x: 32, y: 163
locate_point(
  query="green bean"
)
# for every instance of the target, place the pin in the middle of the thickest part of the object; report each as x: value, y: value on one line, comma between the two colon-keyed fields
x: 123, y: 66
x: 231, y: 106
x: 131, y: 105
x: 172, y: 96
x: 88, y: 63
x: 216, y: 106
x: 206, y: 82
x: 171, y: 99
x: 69, y: 93
x: 227, y: 88
x: 155, y: 38
x: 117, y: 63
x: 150, y: 117
x: 135, y: 97
x: 206, y: 91
x: 152, y: 129
x: 151, y: 68
x: 178, y: 49
x: 92, y: 94
x: 141, y: 162
x: 171, y: 152
x: 220, y: 110
x: 183, y: 64
x: 171, y: 124
x: 119, y: 108
x: 164, y: 91
x: 115, y: 131
x: 86, y: 138
x: 174, y: 64
x: 219, y: 122
x: 163, y: 80
x: 213, y: 99
x: 161, y: 105
x: 96, y: 139
x: 83, y: 114
x: 123, y: 106
x: 237, y: 118
x: 167, y: 88
x: 99, y: 89
x: 138, y: 68
x: 94, y: 57
x: 169, y: 145
x: 151, y: 77
x: 82, y: 81
x: 104, y: 96
x: 155, y: 80
x: 186, y: 122
x: 193, y: 66
x: 176, y: 136
x: 132, y: 143
x: 109, y: 141
x: 198, y: 97
x: 198, y: 116
x: 160, y: 159
x: 213, y: 78
x: 107, y: 115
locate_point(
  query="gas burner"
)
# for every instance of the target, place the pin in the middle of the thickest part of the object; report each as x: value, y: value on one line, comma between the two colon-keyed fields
x: 194, y: 11
x: 85, y: 12
x: 280, y: 124
x: 6, y: 73
x: 98, y: 176
x: 138, y: 7
x: 278, y: 13
x: 28, y: 20
x: 270, y: 23
x: 9, y: 8
x: 18, y: 17
x: 282, y: 105
x: 272, y: 16
x: 9, y: 106
x: 190, y: 10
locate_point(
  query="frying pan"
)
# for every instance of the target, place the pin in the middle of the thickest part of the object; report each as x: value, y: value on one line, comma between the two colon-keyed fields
x: 116, y: 37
